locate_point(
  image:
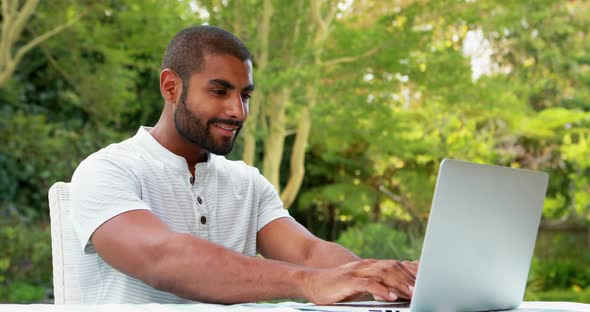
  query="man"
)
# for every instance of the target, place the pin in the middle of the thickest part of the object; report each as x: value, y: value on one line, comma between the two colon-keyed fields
x: 162, y: 218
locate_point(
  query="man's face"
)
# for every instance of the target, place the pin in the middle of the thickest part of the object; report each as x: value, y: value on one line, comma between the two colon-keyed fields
x: 214, y: 106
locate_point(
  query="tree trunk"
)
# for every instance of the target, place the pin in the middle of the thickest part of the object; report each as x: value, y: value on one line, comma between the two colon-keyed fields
x: 331, y: 222
x: 249, y: 153
x: 297, y: 170
x: 6, y: 71
x: 321, y: 22
x: 377, y: 209
x: 275, y: 141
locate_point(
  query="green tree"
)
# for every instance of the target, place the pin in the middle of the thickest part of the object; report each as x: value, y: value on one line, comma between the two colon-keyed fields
x: 15, y: 19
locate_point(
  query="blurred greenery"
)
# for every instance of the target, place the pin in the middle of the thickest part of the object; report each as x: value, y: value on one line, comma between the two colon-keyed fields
x: 388, y: 89
x: 380, y: 241
x: 25, y: 262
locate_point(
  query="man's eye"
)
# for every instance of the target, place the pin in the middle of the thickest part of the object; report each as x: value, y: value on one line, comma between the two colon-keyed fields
x: 246, y: 96
x: 219, y: 91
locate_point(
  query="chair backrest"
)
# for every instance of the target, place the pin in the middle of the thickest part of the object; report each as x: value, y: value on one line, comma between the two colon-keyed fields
x: 64, y: 246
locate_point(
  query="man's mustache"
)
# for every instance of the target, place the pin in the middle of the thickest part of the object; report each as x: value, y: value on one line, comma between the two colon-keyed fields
x: 230, y: 122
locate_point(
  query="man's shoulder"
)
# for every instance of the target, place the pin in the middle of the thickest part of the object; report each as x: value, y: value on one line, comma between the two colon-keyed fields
x: 234, y: 167
x: 239, y: 174
x: 122, y: 154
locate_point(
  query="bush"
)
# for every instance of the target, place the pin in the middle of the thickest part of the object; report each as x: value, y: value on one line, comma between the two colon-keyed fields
x: 380, y: 241
x: 553, y: 277
x: 559, y: 270
x: 35, y: 153
x: 22, y: 292
x: 572, y: 295
x: 558, y: 273
x: 25, y: 262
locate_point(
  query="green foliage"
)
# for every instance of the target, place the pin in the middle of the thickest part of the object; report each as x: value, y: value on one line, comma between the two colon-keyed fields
x: 91, y: 85
x: 382, y: 122
x: 79, y: 92
x: 558, y: 273
x: 29, y: 148
x: 381, y: 241
x: 24, y: 292
x: 557, y: 279
x: 551, y: 120
x: 571, y: 295
x: 348, y: 197
x: 25, y: 261
x: 559, y: 269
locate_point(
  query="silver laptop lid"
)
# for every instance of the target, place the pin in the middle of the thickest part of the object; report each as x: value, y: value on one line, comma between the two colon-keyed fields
x: 480, y: 238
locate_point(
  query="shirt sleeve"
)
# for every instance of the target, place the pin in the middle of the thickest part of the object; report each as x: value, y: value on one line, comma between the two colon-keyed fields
x: 101, y: 190
x: 271, y: 207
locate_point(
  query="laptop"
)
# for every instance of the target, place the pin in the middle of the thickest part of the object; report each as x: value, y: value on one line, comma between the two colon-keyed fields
x: 479, y: 241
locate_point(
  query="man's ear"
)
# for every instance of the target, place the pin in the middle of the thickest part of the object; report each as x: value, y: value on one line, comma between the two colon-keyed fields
x: 170, y: 86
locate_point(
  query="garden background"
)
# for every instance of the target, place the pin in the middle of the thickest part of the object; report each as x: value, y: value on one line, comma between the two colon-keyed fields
x: 357, y: 102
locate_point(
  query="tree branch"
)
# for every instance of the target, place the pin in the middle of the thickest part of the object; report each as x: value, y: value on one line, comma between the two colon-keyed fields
x: 11, y: 31
x: 330, y: 16
x: 13, y: 6
x: 315, y: 15
x: 36, y: 41
x: 58, y: 67
x: 5, y: 16
x: 350, y: 59
x: 297, y: 30
x: 4, y: 47
x: 19, y: 23
x: 404, y: 203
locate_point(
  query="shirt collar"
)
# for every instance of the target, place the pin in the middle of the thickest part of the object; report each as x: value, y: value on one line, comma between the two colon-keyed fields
x: 146, y: 141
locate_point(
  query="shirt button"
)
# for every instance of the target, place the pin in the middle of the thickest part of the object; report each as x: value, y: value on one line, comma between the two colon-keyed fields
x: 192, y: 179
x: 203, y: 220
x: 199, y: 200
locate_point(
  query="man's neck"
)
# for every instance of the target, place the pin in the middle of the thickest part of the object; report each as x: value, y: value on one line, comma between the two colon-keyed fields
x: 169, y: 138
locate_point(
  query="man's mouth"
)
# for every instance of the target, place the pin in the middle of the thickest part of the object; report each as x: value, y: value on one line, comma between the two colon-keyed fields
x: 230, y: 128
x: 226, y: 126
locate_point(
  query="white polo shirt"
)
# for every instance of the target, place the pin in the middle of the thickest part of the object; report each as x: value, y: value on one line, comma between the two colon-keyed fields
x: 228, y: 204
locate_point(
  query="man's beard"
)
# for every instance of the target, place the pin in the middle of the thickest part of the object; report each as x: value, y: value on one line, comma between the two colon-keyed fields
x: 190, y: 127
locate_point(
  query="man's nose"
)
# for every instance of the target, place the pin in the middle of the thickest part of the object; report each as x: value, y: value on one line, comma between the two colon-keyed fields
x: 237, y: 108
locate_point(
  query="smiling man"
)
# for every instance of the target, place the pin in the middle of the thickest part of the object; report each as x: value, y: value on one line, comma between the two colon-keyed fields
x: 164, y: 217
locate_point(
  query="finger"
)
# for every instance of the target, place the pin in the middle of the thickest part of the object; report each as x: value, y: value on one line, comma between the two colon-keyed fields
x: 381, y: 268
x: 377, y: 289
x: 390, y: 273
x: 405, y: 270
x: 402, y: 292
x: 378, y: 298
x: 364, y: 296
x: 400, y: 280
x: 412, y: 266
x: 396, y: 271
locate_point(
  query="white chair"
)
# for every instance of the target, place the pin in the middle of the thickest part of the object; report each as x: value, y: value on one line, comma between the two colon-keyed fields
x: 64, y: 246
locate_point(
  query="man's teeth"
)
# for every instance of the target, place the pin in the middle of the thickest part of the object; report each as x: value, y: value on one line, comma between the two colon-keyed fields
x: 230, y: 128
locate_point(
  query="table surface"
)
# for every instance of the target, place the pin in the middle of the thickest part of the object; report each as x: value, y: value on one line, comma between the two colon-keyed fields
x: 278, y: 307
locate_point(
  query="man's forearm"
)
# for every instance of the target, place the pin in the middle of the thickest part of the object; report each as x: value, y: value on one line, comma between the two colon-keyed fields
x: 199, y: 270
x: 325, y: 254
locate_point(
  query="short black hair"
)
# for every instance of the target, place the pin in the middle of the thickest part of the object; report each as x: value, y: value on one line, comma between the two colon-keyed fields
x: 185, y: 52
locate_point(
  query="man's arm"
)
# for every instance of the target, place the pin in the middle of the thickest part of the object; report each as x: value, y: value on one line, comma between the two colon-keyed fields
x: 138, y: 244
x: 286, y: 240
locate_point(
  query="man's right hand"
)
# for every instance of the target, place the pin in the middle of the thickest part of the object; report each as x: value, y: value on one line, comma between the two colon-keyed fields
x: 384, y: 279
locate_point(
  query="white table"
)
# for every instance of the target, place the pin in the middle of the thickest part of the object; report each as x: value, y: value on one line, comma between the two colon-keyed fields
x: 280, y: 307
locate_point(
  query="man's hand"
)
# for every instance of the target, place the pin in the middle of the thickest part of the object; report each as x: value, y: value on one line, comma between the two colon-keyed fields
x: 384, y: 279
x: 411, y: 266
